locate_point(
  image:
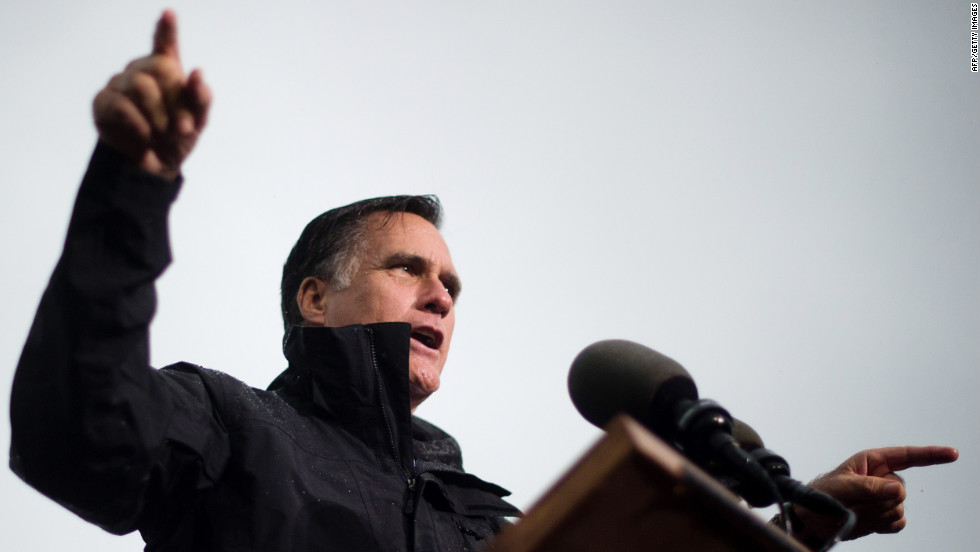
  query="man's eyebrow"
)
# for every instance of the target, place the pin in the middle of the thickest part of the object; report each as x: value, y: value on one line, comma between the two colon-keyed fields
x: 450, y: 279
x: 407, y: 258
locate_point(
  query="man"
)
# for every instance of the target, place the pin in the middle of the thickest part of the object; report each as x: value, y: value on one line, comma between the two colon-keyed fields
x: 330, y: 457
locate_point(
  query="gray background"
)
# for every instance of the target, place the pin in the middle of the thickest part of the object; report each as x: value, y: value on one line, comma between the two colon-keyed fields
x: 783, y: 196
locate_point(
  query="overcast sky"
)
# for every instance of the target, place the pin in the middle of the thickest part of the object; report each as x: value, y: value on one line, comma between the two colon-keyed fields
x: 783, y: 196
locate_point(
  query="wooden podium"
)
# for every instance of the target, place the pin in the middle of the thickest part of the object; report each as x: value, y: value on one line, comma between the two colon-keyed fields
x: 632, y: 492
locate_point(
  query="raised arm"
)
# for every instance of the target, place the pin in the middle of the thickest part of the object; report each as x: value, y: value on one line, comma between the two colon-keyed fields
x: 92, y: 425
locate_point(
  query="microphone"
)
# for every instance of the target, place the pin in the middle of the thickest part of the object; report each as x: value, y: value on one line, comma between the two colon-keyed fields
x: 617, y: 376
x: 792, y: 490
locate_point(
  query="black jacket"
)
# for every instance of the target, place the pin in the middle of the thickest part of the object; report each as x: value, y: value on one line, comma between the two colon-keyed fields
x: 329, y: 458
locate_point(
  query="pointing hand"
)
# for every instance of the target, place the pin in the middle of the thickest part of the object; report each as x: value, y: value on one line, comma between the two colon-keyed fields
x: 152, y: 112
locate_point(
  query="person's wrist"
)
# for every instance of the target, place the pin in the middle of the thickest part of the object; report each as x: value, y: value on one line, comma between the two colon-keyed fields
x: 799, y: 528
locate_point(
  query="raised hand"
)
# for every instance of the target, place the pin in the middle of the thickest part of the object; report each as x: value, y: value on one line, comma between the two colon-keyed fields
x: 868, y: 485
x: 152, y: 112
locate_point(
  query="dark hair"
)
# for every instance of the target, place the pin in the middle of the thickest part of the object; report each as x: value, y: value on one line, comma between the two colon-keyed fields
x: 330, y: 245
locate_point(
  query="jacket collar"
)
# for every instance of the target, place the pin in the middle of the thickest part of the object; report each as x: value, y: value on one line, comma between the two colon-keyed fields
x: 358, y: 376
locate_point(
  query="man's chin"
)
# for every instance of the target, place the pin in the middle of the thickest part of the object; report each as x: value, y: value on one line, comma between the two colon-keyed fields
x: 421, y: 387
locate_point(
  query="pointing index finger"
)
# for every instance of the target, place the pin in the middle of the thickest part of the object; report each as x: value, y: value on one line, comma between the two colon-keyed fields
x: 165, y: 35
x: 892, y: 459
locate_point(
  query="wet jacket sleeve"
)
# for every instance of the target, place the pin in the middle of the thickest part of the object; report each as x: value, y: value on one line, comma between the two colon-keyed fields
x: 92, y: 425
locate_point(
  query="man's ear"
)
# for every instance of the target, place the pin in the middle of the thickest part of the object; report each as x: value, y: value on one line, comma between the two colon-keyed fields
x: 311, y: 300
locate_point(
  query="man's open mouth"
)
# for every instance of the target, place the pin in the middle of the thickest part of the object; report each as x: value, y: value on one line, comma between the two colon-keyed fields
x: 428, y: 337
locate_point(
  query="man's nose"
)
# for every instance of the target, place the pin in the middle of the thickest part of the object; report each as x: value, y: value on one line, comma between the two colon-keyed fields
x: 436, y: 298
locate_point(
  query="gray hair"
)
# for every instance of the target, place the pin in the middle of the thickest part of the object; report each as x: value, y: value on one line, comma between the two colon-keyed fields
x: 331, y: 245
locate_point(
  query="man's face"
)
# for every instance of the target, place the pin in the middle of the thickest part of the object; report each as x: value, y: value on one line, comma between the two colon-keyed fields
x: 405, y: 274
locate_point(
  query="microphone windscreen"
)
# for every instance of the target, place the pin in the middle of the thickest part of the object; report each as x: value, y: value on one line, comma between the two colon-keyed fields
x: 618, y: 376
x: 747, y: 437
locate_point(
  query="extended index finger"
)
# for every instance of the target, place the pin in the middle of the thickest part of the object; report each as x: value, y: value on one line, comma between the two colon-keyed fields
x: 165, y: 35
x: 892, y: 459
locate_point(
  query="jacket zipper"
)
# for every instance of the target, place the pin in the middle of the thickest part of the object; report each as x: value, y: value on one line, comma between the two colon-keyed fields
x: 409, y: 478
